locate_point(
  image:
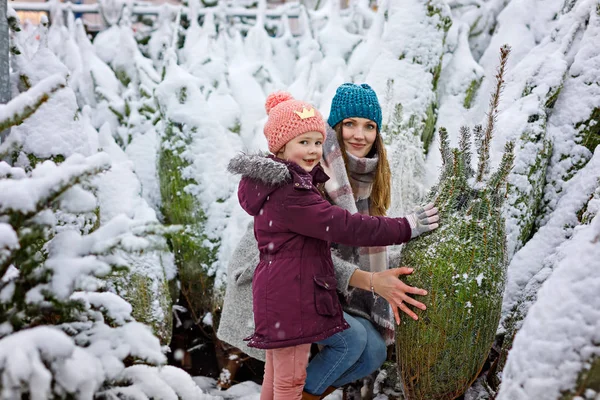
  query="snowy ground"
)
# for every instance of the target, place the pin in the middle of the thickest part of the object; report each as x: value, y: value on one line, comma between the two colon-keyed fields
x: 246, y: 390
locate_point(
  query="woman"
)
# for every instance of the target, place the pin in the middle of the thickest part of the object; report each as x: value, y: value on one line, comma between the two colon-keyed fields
x: 354, y: 158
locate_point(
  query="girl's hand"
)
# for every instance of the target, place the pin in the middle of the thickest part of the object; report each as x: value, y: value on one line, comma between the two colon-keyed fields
x: 424, y: 219
x: 387, y: 285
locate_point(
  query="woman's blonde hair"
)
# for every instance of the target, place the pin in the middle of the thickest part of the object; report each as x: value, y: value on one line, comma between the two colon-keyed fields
x: 381, y: 195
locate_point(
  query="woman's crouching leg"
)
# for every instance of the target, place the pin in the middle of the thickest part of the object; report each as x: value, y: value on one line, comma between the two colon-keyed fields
x: 289, y: 371
x: 373, y: 356
x: 339, y: 353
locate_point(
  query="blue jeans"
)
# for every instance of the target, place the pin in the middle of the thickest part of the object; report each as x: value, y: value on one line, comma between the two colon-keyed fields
x: 346, y: 356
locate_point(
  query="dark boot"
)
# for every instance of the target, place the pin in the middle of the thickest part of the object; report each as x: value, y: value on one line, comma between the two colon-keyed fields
x: 328, y: 391
x: 308, y: 396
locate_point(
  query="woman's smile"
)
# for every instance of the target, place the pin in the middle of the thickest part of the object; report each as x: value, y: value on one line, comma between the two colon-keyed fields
x: 359, y: 135
x: 357, y: 146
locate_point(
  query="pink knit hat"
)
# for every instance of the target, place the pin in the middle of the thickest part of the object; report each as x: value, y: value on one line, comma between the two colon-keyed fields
x: 289, y: 118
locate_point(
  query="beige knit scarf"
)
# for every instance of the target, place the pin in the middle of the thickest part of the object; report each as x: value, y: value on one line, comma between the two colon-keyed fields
x: 370, y: 259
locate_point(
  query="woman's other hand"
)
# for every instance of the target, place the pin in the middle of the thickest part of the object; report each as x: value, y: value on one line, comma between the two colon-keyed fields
x: 387, y: 285
x: 424, y: 219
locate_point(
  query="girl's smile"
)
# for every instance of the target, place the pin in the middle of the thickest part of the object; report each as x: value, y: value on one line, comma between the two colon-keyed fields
x: 305, y: 150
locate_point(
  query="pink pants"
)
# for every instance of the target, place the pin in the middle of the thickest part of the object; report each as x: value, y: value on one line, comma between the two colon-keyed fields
x: 285, y: 373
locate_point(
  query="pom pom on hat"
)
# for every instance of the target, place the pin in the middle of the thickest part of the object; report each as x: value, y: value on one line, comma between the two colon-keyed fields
x: 289, y: 118
x: 276, y: 98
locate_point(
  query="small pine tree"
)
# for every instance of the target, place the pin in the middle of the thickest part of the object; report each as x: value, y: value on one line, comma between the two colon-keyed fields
x: 407, y: 160
x: 62, y: 335
x: 52, y: 302
x: 463, y: 266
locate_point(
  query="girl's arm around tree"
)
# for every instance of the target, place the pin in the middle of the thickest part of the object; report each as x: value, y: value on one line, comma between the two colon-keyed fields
x: 307, y: 213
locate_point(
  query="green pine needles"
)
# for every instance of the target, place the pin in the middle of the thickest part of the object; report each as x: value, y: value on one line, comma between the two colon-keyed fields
x: 462, y: 265
x: 192, y: 254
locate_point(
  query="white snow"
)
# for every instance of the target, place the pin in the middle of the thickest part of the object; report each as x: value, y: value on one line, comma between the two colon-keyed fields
x: 22, y: 360
x: 560, y: 335
x: 77, y: 200
x: 24, y: 195
x: 30, y: 98
x: 578, y: 98
x: 8, y: 238
x: 115, y: 307
x: 536, y: 253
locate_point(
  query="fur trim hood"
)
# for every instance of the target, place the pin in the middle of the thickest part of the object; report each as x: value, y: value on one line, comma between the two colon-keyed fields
x: 260, y: 167
x: 262, y: 175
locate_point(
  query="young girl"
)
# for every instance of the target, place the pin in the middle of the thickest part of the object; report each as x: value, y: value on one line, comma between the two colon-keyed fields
x: 294, y: 285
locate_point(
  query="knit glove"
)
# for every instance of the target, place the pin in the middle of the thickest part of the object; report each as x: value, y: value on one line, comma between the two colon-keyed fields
x: 423, y: 220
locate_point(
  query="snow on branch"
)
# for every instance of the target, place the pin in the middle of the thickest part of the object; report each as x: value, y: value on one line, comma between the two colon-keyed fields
x: 9, y: 241
x: 73, y: 257
x: 26, y: 202
x: 168, y: 383
x: 113, y: 307
x: 45, y: 362
x: 24, y: 198
x: 24, y: 360
x: 26, y: 103
x: 560, y: 354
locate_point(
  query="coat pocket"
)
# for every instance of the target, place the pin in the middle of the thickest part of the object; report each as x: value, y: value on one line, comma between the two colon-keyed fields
x: 326, y: 300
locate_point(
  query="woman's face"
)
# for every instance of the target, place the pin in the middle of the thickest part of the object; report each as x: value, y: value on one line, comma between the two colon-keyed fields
x: 359, y: 135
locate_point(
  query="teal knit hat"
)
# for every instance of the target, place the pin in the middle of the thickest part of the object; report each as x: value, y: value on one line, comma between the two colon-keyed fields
x: 352, y: 100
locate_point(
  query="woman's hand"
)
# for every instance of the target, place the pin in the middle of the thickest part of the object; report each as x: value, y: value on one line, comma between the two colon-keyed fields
x: 387, y: 285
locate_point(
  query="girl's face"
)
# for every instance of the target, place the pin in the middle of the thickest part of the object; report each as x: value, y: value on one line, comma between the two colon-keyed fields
x: 305, y: 150
x: 359, y: 135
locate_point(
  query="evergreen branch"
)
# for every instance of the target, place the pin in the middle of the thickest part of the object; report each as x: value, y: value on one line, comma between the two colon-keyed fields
x: 14, y: 23
x: 18, y: 218
x: 121, y: 239
x: 22, y: 106
x: 397, y: 119
x: 120, y: 243
x: 31, y: 241
x: 389, y: 96
x: 499, y: 177
x: 465, y: 149
x: 478, y: 133
x: 446, y: 167
x: 444, y: 146
x: 175, y: 38
x: 484, y: 154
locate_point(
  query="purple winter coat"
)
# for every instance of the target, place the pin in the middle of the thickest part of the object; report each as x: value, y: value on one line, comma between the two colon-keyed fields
x: 294, y: 286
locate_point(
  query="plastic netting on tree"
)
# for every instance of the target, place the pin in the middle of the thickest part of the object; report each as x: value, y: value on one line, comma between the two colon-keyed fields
x: 462, y: 265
